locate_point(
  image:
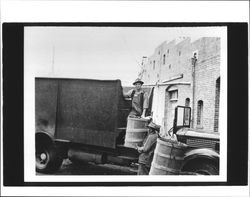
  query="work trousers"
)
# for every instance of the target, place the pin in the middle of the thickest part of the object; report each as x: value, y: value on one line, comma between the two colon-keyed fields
x: 143, y: 169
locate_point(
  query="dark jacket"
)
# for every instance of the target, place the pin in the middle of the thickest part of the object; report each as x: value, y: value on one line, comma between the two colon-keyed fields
x: 147, y: 154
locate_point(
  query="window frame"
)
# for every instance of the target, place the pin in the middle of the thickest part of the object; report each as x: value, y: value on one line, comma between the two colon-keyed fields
x: 199, y: 118
x: 173, y: 95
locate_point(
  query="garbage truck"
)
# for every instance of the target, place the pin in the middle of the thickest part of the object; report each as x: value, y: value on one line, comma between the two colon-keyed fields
x: 86, y: 119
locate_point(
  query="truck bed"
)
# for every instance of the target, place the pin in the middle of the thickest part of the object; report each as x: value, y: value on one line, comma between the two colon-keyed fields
x: 81, y: 110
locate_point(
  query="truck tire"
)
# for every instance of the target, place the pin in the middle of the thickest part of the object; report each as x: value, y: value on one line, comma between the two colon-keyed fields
x: 203, y: 168
x: 47, y: 159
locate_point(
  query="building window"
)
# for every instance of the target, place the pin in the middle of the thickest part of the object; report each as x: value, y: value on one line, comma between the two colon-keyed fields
x: 148, y: 76
x: 187, y: 102
x: 169, y: 66
x: 187, y: 111
x: 158, y: 75
x: 154, y: 64
x: 199, y: 113
x: 179, y: 53
x: 217, y: 103
x: 173, y: 95
x: 159, y: 52
x: 164, y: 59
x: 168, y: 51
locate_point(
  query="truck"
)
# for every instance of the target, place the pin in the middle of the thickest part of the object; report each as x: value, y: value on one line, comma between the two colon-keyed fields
x: 85, y: 119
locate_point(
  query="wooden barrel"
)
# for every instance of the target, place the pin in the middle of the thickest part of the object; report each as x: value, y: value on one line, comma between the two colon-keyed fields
x: 168, y: 157
x: 136, y: 132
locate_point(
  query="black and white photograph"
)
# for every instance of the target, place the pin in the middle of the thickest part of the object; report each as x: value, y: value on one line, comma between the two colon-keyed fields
x: 113, y: 100
x: 124, y: 98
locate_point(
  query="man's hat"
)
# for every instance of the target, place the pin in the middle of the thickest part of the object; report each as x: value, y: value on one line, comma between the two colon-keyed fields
x: 138, y: 81
x: 154, y: 126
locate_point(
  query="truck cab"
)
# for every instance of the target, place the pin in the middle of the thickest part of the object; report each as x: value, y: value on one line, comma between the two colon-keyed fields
x: 202, y: 155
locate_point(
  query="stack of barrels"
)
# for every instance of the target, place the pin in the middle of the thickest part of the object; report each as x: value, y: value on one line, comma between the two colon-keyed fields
x: 168, y: 155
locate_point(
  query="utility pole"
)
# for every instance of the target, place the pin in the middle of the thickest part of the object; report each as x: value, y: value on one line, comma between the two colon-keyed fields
x: 194, y: 60
x: 144, y: 58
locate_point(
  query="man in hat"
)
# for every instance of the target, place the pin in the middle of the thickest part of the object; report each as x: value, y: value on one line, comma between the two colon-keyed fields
x: 147, y: 150
x: 139, y: 100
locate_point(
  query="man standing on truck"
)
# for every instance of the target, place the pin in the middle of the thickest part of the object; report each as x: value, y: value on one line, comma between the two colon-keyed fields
x: 147, y: 150
x: 139, y: 100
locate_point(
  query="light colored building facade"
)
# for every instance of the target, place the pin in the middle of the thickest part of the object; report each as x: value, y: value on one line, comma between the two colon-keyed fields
x: 185, y: 73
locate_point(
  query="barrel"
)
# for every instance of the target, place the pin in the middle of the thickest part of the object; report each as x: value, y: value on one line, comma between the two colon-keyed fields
x: 168, y: 157
x: 136, y: 132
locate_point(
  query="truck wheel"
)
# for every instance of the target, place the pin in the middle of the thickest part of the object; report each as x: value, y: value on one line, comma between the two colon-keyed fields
x: 47, y: 159
x: 203, y: 168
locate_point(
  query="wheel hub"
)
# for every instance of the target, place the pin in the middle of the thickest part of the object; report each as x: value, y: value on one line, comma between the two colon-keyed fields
x: 43, y: 156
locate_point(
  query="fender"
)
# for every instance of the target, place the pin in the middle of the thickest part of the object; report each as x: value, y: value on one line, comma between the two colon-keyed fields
x: 47, y: 139
x: 204, y: 153
x: 43, y: 137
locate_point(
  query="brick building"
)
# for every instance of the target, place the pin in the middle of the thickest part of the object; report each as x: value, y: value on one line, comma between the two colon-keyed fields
x: 185, y: 73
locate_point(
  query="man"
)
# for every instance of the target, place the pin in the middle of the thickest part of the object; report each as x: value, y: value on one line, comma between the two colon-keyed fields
x: 139, y: 100
x: 147, y: 150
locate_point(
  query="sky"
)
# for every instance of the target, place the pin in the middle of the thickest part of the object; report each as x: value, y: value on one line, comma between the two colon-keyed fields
x: 97, y: 52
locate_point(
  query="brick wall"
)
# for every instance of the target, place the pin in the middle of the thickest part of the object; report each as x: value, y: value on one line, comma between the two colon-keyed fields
x: 207, y: 71
x: 178, y: 63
